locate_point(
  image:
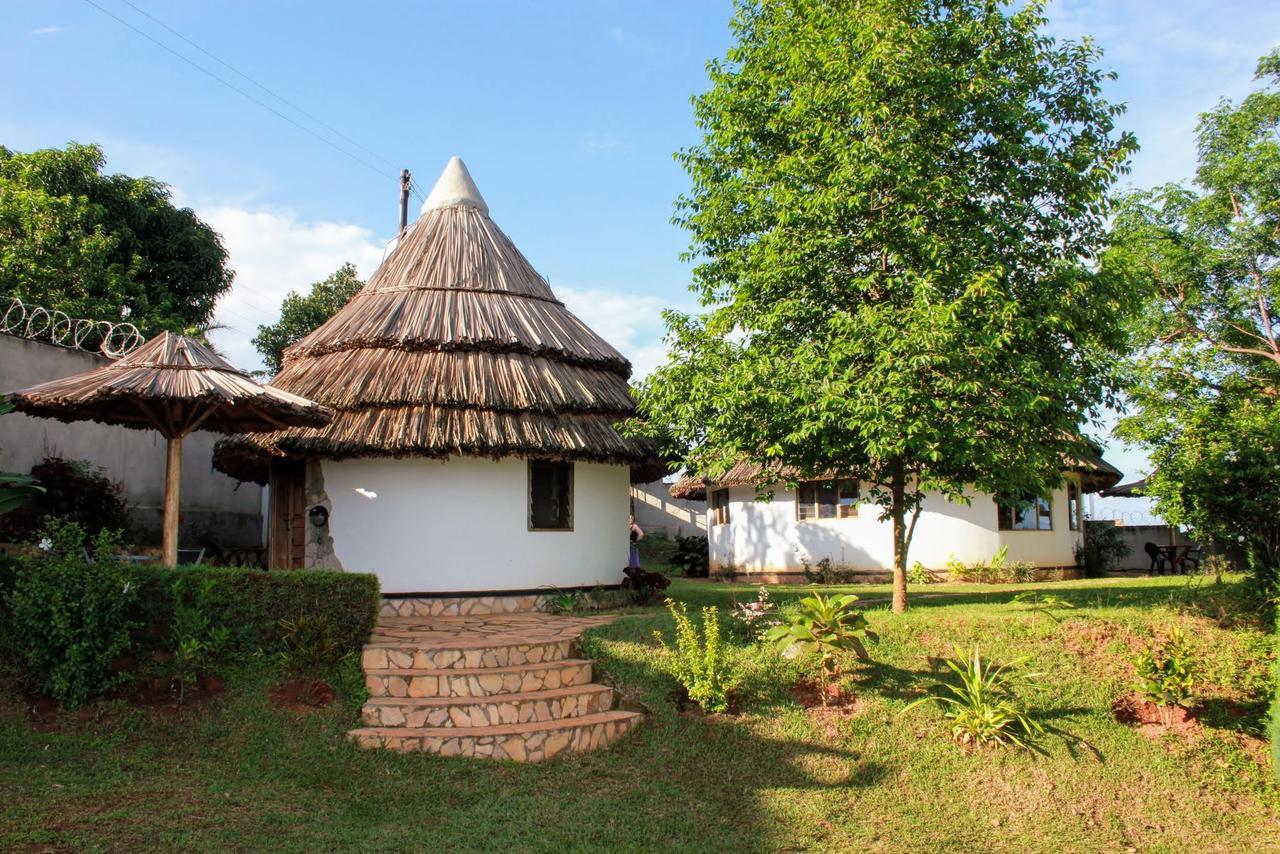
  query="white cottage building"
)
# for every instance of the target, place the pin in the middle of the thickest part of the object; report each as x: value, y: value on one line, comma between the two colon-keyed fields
x: 474, y: 448
x: 774, y: 539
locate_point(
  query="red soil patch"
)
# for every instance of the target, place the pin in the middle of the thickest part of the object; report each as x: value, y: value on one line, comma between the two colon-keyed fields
x: 302, y: 695
x: 156, y: 696
x: 1154, y: 721
x: 840, y: 705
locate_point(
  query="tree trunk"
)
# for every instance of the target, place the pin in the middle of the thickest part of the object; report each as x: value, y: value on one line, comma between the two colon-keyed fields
x: 172, y: 480
x: 898, y: 485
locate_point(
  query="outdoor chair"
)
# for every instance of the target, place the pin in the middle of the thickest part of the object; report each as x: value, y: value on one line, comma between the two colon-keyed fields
x: 1159, y: 563
x: 1193, y: 556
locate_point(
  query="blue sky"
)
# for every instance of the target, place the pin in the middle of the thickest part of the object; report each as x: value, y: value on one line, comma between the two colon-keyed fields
x: 567, y: 113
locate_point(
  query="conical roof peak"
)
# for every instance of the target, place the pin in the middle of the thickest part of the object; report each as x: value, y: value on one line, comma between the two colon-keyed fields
x: 455, y: 188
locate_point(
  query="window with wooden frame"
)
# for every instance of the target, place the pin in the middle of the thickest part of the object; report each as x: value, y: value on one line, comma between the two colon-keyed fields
x: 550, y: 495
x: 1025, y: 514
x: 720, y: 507
x: 827, y: 499
x: 1073, y: 506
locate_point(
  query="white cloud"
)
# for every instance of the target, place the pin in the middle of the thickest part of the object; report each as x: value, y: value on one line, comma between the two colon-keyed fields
x: 593, y: 143
x: 45, y: 31
x: 631, y: 323
x: 274, y: 252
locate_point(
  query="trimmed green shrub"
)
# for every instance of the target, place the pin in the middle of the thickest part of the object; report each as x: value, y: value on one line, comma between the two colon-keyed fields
x: 1275, y: 708
x: 70, y: 617
x: 252, y: 603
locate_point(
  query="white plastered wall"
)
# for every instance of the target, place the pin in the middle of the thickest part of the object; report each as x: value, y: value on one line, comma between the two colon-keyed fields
x: 461, y: 525
x: 764, y: 536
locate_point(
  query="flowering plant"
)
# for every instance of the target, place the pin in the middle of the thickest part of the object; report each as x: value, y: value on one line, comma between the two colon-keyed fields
x: 753, y: 619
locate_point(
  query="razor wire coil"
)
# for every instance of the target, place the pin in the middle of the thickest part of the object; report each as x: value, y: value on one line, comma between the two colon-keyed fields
x: 57, y: 327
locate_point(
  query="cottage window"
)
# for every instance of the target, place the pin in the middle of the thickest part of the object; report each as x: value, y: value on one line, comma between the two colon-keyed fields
x: 550, y: 496
x: 1073, y: 506
x: 827, y: 499
x: 1026, y: 514
x: 720, y: 507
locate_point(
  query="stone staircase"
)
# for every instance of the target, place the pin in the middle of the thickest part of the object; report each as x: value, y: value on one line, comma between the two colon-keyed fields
x: 501, y: 686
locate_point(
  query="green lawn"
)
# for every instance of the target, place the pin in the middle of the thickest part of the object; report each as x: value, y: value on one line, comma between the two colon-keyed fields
x: 239, y: 774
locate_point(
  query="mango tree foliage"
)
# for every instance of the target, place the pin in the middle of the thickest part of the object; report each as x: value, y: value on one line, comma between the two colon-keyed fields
x: 104, y: 247
x: 1206, y: 378
x: 300, y: 314
x: 892, y: 210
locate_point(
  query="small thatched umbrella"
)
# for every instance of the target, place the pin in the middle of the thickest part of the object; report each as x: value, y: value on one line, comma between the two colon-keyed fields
x: 175, y: 385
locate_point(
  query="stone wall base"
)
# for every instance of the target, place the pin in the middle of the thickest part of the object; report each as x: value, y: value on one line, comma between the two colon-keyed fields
x: 457, y: 606
x: 1051, y: 573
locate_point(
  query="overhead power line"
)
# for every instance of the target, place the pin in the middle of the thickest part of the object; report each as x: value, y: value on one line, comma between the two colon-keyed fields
x: 238, y: 90
x: 261, y: 86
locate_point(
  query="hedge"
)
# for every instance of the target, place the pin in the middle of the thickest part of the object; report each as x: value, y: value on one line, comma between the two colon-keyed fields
x: 252, y: 602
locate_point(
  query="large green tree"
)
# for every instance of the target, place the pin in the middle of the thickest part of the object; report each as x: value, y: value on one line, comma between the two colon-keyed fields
x: 104, y: 247
x: 1207, y: 376
x: 892, y: 210
x: 300, y: 314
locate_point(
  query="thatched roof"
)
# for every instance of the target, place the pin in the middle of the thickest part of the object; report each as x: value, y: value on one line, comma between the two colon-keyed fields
x: 172, y: 384
x: 455, y: 346
x: 1098, y: 474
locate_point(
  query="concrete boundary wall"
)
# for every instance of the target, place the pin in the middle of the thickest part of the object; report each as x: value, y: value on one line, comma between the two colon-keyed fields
x: 213, y: 505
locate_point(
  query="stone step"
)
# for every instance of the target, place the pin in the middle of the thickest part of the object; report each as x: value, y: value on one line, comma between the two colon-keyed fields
x: 555, y: 704
x: 476, y: 681
x: 524, y: 742
x: 406, y: 653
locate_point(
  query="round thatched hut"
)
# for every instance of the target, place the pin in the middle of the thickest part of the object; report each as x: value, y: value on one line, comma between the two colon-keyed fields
x: 473, y: 446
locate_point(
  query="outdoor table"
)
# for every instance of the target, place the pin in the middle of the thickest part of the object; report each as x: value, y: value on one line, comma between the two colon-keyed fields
x: 1175, y: 555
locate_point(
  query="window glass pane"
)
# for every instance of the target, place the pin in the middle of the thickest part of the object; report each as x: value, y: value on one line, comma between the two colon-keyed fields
x: 720, y: 507
x: 1073, y: 507
x: 848, y: 498
x: 827, y: 499
x: 1045, y: 514
x: 1024, y: 516
x: 550, y: 494
x: 1004, y: 517
x: 806, y: 501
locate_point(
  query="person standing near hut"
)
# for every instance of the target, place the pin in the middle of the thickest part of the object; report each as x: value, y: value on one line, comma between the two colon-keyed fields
x: 637, y: 534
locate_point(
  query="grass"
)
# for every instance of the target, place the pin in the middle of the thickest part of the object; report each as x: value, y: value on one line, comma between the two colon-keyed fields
x: 240, y: 774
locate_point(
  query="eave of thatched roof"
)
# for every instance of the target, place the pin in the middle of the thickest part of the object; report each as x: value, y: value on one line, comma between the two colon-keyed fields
x: 456, y: 346
x: 1096, y: 475
x: 169, y: 383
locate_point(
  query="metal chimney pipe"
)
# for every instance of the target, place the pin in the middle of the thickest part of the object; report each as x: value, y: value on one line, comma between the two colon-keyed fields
x: 405, y: 182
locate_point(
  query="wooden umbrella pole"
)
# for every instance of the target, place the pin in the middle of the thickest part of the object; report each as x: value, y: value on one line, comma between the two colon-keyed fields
x: 172, y: 482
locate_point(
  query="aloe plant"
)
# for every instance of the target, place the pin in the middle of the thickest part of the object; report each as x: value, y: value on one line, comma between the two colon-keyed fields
x: 982, y: 706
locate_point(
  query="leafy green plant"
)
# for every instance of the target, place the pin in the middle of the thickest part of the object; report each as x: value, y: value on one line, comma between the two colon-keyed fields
x: 194, y: 639
x: 643, y: 586
x: 73, y: 491
x: 308, y: 646
x: 691, y: 556
x: 982, y: 706
x: 16, y: 490
x: 698, y: 658
x: 917, y: 575
x: 1101, y: 549
x: 559, y: 601
x: 997, y: 570
x: 826, y: 571
x: 825, y: 626
x: 70, y: 616
x: 1167, y: 673
x: 1043, y: 603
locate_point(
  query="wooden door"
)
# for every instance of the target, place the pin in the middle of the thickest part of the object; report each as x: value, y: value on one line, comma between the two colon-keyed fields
x: 288, y: 536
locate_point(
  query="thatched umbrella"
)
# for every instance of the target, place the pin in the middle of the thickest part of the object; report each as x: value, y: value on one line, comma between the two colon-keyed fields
x: 173, y: 384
